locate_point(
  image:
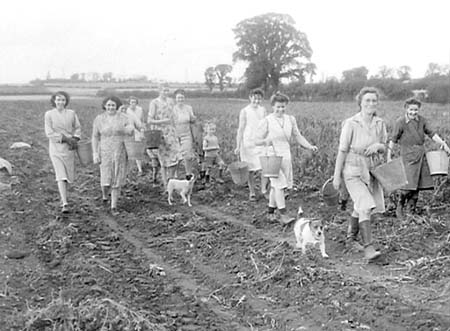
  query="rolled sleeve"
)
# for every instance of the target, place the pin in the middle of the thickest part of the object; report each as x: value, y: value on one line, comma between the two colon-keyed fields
x: 345, y: 138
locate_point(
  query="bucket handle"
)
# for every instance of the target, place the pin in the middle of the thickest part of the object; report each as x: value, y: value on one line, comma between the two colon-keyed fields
x: 274, y: 150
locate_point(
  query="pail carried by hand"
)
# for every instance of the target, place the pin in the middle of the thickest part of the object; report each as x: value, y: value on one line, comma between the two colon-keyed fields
x: 391, y: 175
x: 135, y: 149
x: 329, y: 194
x: 239, y: 172
x: 84, y: 151
x: 437, y: 162
x: 270, y: 164
x: 153, y: 138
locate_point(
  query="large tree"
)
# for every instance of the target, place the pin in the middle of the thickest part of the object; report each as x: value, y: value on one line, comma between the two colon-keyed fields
x: 223, y: 74
x: 274, y: 49
x: 355, y: 74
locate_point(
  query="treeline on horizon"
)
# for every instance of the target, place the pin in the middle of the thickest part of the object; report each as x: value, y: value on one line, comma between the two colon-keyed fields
x: 433, y: 89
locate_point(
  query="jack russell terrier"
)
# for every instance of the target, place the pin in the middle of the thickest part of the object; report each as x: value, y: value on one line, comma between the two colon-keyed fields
x: 183, y: 187
x: 309, y: 231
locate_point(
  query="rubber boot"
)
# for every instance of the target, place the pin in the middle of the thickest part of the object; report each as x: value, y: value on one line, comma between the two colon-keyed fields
x: 412, y: 202
x: 352, y: 235
x: 400, y: 205
x: 366, y: 233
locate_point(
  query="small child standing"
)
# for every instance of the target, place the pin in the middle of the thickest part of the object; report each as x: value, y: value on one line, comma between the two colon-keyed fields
x: 211, y: 150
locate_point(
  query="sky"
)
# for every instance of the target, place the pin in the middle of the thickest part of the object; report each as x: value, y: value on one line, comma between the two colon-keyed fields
x: 176, y: 40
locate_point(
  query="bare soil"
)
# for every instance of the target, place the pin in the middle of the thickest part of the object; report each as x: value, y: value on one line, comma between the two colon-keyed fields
x: 219, y: 265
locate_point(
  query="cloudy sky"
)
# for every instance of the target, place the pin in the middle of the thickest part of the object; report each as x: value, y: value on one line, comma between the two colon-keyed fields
x: 177, y: 40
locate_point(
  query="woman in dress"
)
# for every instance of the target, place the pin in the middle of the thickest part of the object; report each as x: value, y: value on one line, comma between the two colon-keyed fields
x: 63, y: 130
x: 362, y: 141
x: 249, y: 119
x: 136, y: 115
x: 109, y: 131
x: 161, y: 117
x: 184, y: 117
x: 275, y: 132
x: 410, y: 131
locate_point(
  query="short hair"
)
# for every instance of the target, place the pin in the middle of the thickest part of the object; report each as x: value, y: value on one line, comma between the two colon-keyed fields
x: 133, y: 98
x: 412, y: 101
x: 59, y: 93
x: 114, y: 99
x: 179, y: 91
x: 279, y: 97
x: 364, y: 91
x: 256, y: 91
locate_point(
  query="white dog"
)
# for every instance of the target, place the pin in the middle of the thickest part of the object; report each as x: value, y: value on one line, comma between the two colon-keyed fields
x: 183, y: 187
x: 309, y: 231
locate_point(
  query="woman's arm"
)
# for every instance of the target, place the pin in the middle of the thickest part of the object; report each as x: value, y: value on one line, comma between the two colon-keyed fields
x: 301, y: 140
x: 337, y: 177
x: 77, y: 127
x: 95, y: 140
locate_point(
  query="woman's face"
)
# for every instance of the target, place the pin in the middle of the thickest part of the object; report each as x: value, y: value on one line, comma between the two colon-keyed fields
x: 369, y: 103
x: 133, y: 104
x: 60, y: 102
x: 279, y: 108
x: 164, y: 92
x: 412, y: 111
x: 255, y: 100
x: 111, y: 107
x: 179, y: 98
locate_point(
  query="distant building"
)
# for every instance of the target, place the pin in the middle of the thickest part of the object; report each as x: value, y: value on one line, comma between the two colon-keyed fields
x: 420, y: 94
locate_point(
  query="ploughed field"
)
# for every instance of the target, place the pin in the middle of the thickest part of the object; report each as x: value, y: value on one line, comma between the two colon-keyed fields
x: 221, y: 264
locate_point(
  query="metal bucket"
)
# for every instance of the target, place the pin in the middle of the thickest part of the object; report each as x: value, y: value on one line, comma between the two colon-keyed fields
x: 239, y: 172
x: 437, y: 162
x: 135, y: 149
x: 84, y: 151
x: 329, y: 194
x: 270, y: 165
x: 391, y: 175
x: 153, y: 138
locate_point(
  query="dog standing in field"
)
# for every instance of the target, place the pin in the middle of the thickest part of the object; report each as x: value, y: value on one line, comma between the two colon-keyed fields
x: 309, y: 231
x: 183, y: 187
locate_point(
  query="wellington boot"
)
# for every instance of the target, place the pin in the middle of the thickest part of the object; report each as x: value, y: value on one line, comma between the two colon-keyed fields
x: 352, y: 243
x: 366, y: 233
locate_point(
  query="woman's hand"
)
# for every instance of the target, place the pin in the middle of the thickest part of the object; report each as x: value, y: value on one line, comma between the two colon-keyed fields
x: 337, y: 182
x: 314, y: 148
x: 96, y: 158
x: 444, y: 146
x: 268, y: 142
x: 237, y: 150
x: 373, y: 149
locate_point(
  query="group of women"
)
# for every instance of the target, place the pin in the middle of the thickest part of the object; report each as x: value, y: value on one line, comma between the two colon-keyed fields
x: 362, y: 140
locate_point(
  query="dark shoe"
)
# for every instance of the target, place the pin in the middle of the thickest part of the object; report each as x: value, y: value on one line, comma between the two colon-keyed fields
x: 65, y: 209
x: 352, y: 235
x: 366, y: 233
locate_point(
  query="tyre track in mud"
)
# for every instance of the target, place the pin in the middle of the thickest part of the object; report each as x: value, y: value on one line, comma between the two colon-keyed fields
x: 370, y: 274
x: 193, y: 284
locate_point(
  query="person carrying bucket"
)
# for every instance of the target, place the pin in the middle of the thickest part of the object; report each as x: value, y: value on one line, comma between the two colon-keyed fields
x: 409, y: 132
x: 249, y: 119
x: 275, y: 132
x: 362, y: 140
x: 63, y: 131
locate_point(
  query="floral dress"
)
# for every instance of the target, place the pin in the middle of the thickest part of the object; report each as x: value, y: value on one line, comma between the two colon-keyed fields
x: 110, y: 131
x: 169, y: 151
x: 58, y: 123
x: 184, y: 116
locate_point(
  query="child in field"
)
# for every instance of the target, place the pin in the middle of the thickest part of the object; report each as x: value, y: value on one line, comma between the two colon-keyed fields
x: 211, y: 150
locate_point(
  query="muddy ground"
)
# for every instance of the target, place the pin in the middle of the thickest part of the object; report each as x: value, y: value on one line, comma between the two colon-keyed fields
x: 219, y: 265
